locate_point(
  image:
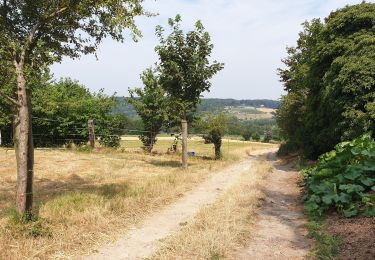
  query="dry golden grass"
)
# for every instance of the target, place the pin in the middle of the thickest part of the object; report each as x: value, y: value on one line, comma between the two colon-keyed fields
x: 221, y: 227
x: 84, y: 200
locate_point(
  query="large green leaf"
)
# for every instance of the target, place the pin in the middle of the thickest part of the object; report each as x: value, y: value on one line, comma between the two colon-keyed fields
x: 352, y: 173
x: 351, y: 188
x: 370, y: 211
x: 368, y: 181
x: 351, y: 212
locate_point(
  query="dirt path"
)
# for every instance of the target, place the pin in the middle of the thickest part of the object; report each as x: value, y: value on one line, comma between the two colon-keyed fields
x: 279, y: 233
x: 140, y: 242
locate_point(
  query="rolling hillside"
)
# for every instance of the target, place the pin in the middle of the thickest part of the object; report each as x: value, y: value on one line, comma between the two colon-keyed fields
x: 243, y: 109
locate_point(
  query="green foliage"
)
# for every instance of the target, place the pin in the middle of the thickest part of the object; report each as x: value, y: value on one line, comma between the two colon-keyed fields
x: 247, y: 135
x: 256, y: 137
x: 62, y: 110
x: 209, y: 105
x: 326, y: 246
x: 111, y: 141
x: 215, y: 127
x: 267, y: 136
x: 287, y: 149
x: 44, y: 31
x: 152, y: 106
x: 185, y: 68
x: 22, y: 225
x: 330, y: 81
x: 35, y: 34
x: 343, y: 179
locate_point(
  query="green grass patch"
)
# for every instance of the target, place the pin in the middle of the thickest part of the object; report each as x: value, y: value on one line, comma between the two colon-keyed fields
x: 326, y: 246
x: 21, y: 225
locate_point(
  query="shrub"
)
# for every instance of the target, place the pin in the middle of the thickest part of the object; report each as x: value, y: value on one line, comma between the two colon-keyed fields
x: 343, y: 179
x: 214, y: 131
x: 111, y: 141
x: 287, y: 149
x: 267, y: 137
x: 246, y: 135
x: 256, y: 136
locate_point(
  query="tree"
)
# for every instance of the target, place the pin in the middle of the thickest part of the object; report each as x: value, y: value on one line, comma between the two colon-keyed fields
x: 256, y: 136
x: 246, y: 134
x: 215, y: 128
x: 329, y: 78
x: 61, y: 111
x: 185, y: 69
x: 267, y: 136
x: 151, y: 104
x: 35, y: 34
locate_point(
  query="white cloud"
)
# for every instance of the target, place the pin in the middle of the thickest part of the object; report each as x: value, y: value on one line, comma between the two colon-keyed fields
x: 250, y: 37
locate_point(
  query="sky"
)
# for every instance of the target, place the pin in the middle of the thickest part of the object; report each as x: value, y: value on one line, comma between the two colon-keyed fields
x: 250, y: 37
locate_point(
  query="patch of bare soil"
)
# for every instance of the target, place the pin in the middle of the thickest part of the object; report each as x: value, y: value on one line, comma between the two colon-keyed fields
x: 358, y: 236
x: 280, y: 231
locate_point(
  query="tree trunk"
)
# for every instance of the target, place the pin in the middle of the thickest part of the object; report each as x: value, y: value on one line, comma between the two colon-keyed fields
x: 23, y: 142
x: 184, y: 130
x: 217, y: 151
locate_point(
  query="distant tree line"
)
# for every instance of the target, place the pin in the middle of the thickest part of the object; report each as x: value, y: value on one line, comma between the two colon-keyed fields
x: 207, y: 105
x: 330, y: 82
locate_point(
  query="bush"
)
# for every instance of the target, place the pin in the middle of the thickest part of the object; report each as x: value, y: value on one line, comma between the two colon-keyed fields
x: 267, y: 137
x: 246, y: 135
x: 287, y: 149
x: 110, y: 141
x: 256, y: 137
x: 214, y: 131
x: 343, y: 179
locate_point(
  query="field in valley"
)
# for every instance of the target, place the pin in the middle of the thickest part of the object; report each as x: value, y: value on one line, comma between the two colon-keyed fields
x: 251, y: 113
x: 84, y: 199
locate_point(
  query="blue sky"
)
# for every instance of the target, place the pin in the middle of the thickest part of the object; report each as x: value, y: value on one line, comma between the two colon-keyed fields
x: 250, y: 37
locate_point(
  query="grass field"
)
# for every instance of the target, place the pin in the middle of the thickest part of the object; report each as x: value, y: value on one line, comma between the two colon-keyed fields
x: 83, y: 200
x: 248, y: 113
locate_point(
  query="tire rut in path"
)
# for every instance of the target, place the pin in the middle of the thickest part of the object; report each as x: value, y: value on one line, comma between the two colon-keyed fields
x: 279, y: 232
x: 141, y: 242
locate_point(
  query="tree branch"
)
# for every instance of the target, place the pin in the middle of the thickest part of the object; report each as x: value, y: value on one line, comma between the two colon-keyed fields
x: 9, y: 99
x: 30, y: 39
x: 56, y: 13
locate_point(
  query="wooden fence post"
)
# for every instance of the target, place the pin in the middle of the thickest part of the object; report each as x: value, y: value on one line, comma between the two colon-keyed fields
x: 184, y: 144
x: 91, y: 133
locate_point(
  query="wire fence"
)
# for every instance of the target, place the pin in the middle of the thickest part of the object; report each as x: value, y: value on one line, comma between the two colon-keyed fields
x: 65, y: 134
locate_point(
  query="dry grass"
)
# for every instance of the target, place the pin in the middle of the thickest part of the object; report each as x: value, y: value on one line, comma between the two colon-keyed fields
x: 221, y: 227
x: 84, y: 200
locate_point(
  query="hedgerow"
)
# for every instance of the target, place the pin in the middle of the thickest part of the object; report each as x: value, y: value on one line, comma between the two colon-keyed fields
x: 343, y: 179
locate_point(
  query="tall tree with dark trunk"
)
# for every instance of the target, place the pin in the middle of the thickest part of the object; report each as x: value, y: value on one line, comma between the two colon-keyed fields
x: 37, y: 33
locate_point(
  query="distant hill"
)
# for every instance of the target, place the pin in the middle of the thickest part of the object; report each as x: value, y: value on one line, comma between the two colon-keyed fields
x: 213, y: 105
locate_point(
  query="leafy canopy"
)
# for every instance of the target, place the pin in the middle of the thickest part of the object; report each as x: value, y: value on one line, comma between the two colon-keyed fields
x: 184, y: 65
x: 151, y: 104
x: 61, y: 112
x: 330, y: 80
x: 215, y: 127
x: 47, y: 30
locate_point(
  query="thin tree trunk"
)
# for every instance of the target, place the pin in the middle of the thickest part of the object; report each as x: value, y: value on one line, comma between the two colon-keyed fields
x: 24, y: 147
x: 217, y: 151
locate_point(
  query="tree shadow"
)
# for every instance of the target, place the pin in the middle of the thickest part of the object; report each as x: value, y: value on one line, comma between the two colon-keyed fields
x: 169, y: 163
x: 46, y: 190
